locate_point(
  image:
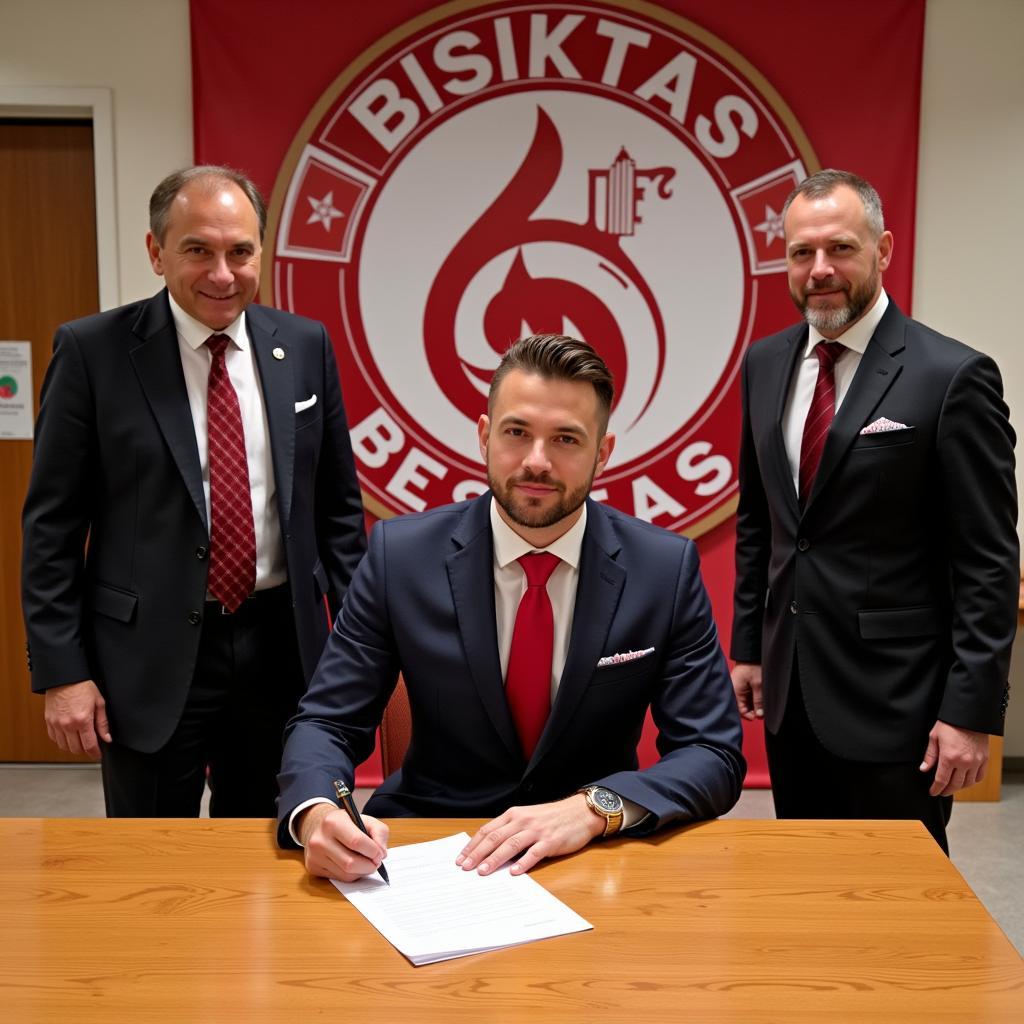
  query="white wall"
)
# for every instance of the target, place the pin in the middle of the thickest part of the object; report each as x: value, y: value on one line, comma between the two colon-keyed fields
x: 139, y: 49
x: 970, y: 211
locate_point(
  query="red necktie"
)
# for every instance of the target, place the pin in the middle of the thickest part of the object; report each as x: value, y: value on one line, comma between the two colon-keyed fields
x: 528, y: 680
x: 819, y: 415
x: 232, y: 537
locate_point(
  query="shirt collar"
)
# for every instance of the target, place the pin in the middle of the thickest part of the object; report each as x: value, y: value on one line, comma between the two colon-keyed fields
x: 508, y: 545
x: 858, y: 336
x: 194, y: 333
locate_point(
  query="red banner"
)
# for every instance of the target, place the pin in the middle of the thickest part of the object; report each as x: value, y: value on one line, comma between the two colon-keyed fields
x: 445, y: 178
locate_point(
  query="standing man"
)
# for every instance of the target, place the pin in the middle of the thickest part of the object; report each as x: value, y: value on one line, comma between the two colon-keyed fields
x: 876, y: 551
x: 534, y: 628
x: 193, y: 500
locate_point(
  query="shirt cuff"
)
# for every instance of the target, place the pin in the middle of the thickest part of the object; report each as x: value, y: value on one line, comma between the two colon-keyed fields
x: 632, y: 814
x: 298, y: 810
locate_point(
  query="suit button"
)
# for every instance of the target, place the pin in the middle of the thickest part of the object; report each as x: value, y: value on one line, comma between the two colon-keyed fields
x: 194, y: 618
x: 793, y: 608
x: 803, y: 544
x: 201, y: 552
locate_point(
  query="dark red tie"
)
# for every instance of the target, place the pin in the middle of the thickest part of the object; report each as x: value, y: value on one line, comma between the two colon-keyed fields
x: 528, y: 680
x: 232, y: 537
x: 819, y: 415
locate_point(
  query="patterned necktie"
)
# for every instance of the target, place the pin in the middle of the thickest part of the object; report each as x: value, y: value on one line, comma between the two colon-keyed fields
x: 528, y: 680
x: 232, y: 536
x: 819, y: 415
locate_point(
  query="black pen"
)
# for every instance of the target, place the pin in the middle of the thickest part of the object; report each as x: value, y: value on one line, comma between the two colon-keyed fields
x: 347, y: 804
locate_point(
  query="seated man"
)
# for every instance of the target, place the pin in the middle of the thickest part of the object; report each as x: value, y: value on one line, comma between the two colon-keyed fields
x: 529, y: 675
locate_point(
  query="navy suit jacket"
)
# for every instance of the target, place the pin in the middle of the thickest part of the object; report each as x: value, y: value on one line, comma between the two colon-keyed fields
x: 422, y: 602
x: 894, y: 589
x: 116, y: 463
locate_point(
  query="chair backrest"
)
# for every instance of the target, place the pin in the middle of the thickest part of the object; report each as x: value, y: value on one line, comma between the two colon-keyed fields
x: 395, y: 730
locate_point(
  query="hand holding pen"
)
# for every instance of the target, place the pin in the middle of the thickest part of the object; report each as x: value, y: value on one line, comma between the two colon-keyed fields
x: 347, y: 804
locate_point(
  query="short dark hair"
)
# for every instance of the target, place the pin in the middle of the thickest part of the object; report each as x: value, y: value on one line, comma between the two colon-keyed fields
x: 163, y: 195
x: 824, y: 183
x: 558, y: 357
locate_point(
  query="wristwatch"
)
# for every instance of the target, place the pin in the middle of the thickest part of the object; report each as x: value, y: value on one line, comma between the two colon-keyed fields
x: 606, y: 803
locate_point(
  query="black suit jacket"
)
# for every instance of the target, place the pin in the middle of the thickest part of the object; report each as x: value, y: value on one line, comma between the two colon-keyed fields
x: 422, y: 602
x: 895, y: 588
x: 115, y: 533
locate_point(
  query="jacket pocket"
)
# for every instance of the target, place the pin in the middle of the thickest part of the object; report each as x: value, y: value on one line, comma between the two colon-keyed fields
x: 884, y: 439
x: 895, y: 623
x: 113, y: 602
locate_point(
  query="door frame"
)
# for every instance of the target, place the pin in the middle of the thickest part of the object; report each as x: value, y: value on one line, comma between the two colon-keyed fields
x: 97, y: 105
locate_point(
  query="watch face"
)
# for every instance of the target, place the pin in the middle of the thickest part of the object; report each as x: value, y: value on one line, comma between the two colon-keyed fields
x: 607, y: 800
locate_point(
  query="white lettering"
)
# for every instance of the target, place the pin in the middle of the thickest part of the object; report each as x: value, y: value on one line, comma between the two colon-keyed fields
x: 506, y: 49
x: 378, y: 118
x: 478, y: 66
x: 466, y: 489
x: 409, y: 475
x: 650, y: 501
x: 690, y: 466
x: 547, y: 46
x: 728, y: 140
x: 376, y: 439
x: 412, y: 67
x: 672, y: 84
x: 622, y: 38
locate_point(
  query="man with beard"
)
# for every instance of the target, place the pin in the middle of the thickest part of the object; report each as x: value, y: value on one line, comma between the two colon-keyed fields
x: 534, y: 628
x: 876, y: 551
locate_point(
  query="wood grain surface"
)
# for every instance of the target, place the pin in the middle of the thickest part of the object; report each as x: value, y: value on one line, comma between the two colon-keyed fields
x: 728, y: 921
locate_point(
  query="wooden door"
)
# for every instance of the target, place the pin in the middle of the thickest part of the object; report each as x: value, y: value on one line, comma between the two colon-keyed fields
x: 48, y: 274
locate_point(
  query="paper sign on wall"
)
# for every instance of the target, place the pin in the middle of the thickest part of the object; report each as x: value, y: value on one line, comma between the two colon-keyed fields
x: 16, y: 407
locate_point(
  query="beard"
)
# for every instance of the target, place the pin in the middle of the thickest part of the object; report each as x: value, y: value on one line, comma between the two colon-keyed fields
x: 531, y: 512
x: 830, y: 321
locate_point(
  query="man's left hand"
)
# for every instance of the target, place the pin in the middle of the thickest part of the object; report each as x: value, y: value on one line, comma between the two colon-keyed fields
x: 961, y: 756
x: 531, y: 834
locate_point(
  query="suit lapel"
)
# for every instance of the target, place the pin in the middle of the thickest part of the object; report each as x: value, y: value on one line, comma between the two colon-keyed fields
x: 276, y: 379
x: 471, y: 577
x: 598, y: 590
x: 877, y: 373
x: 779, y: 387
x: 157, y: 364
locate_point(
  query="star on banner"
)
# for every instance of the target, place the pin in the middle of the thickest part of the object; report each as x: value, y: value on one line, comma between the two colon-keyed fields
x: 771, y: 225
x: 323, y: 210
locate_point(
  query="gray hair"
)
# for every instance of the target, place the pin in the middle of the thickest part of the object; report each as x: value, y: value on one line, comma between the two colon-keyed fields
x: 163, y: 195
x: 824, y: 183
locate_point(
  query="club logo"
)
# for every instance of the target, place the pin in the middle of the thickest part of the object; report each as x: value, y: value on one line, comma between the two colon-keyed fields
x: 605, y: 170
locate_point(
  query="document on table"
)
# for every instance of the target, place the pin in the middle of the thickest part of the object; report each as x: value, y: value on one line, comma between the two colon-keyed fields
x: 433, y: 910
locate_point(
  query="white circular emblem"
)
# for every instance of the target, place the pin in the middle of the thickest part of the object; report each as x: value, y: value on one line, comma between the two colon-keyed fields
x: 488, y: 171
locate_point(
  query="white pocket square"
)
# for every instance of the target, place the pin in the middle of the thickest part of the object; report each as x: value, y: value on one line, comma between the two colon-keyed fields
x: 618, y: 659
x: 306, y: 403
x: 883, y: 426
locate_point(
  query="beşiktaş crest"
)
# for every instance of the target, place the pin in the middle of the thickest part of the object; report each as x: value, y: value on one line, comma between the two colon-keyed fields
x: 490, y: 170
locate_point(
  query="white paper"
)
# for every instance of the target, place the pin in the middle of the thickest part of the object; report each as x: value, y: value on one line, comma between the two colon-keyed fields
x: 16, y: 401
x: 433, y: 910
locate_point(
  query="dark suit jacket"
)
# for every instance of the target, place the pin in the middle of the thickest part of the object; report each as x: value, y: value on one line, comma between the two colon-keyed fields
x: 116, y: 463
x: 422, y: 602
x: 895, y: 589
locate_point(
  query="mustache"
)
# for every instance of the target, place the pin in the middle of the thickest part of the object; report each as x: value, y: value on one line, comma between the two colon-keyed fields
x: 529, y: 477
x: 828, y: 285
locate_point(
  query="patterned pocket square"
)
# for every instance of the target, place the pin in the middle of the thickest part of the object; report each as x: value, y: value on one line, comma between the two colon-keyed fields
x: 883, y: 426
x: 618, y: 659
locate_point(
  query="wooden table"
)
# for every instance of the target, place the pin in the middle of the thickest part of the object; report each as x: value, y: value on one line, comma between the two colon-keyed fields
x: 742, y: 921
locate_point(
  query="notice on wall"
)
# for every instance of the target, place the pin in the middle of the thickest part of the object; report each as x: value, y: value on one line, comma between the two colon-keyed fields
x: 16, y: 391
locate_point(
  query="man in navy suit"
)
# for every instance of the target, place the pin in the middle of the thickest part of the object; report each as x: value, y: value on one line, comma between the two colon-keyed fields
x: 193, y: 500
x: 876, y: 550
x: 440, y: 597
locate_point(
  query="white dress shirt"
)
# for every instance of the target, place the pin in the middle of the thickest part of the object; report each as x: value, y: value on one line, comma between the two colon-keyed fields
x: 240, y: 362
x: 855, y: 341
